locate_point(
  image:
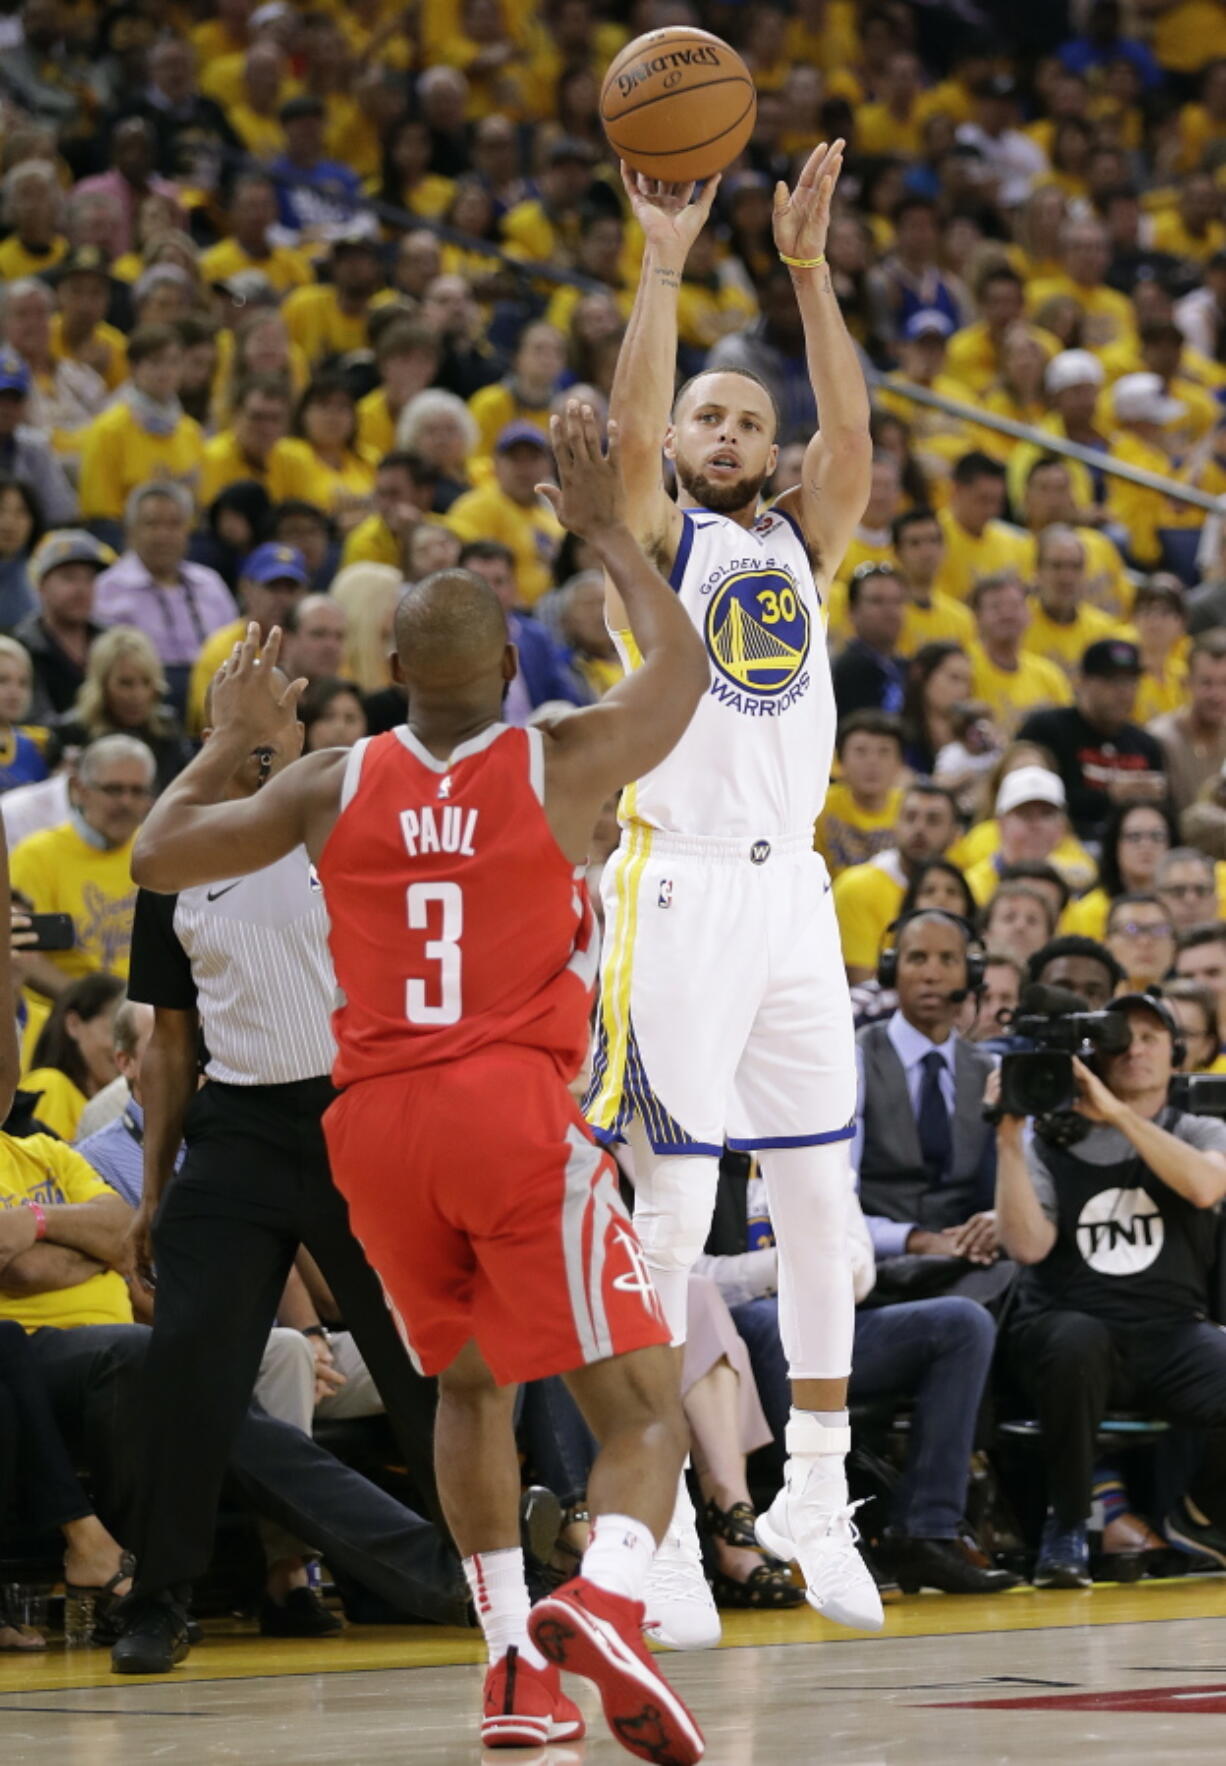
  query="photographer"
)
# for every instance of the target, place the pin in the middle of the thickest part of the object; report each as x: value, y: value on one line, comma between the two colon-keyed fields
x: 1118, y: 1234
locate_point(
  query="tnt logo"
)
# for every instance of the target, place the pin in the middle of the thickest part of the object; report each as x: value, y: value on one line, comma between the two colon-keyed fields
x: 1120, y: 1232
x: 665, y: 898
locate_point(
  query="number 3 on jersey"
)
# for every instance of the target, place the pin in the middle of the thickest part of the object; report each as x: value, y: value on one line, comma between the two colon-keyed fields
x: 436, y: 908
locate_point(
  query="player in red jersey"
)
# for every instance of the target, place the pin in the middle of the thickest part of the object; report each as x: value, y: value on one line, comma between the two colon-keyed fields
x: 451, y: 852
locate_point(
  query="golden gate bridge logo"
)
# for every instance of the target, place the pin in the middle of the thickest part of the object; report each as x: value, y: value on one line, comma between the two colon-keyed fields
x: 758, y: 630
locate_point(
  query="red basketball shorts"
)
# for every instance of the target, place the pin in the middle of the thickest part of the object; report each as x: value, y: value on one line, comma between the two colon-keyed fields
x: 490, y: 1214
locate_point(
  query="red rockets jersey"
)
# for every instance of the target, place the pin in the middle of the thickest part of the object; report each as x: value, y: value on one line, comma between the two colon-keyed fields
x: 457, y: 922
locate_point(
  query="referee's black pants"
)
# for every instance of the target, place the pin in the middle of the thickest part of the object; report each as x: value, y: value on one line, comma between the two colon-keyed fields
x: 254, y: 1186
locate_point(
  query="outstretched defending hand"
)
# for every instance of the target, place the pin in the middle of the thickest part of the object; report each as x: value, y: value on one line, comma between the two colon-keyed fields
x: 249, y: 694
x: 669, y: 214
x: 802, y: 216
x: 591, y: 499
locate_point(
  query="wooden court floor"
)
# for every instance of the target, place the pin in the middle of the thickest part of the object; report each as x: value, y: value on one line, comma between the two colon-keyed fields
x: 1122, y: 1674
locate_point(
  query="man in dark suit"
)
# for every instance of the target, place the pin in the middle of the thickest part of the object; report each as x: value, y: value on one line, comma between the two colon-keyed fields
x: 926, y: 1157
x: 869, y: 675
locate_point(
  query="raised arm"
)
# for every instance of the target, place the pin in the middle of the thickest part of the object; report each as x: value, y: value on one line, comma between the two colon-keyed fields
x: 192, y: 835
x: 594, y: 752
x: 836, y: 474
x: 642, y: 397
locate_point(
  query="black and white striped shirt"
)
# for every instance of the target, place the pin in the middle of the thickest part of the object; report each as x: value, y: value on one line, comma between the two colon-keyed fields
x: 250, y: 955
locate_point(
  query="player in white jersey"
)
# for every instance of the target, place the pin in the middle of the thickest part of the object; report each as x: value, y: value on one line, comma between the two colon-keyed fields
x: 724, y: 1010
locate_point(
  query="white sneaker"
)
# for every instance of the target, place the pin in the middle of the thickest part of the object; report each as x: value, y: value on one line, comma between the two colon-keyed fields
x: 680, y: 1608
x: 809, y: 1523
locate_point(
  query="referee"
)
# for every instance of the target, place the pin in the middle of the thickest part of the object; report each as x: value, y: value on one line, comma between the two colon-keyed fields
x: 241, y: 967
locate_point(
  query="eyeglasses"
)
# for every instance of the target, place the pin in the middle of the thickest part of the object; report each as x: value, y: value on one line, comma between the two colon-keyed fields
x: 116, y: 792
x: 1187, y: 891
x: 1154, y: 836
x: 1143, y: 929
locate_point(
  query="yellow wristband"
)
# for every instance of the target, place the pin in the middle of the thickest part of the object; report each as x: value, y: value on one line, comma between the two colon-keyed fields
x: 802, y: 263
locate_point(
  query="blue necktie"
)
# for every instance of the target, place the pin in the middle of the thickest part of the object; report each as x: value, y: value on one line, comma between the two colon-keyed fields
x: 935, y: 1133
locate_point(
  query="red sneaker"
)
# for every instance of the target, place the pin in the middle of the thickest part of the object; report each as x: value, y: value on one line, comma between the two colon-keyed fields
x: 525, y: 1707
x: 599, y: 1635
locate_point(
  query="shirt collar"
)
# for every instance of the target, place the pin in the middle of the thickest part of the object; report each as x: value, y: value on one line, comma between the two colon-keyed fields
x: 911, y: 1045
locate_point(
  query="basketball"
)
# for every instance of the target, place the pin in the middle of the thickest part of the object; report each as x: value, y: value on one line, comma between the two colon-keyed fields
x: 678, y: 104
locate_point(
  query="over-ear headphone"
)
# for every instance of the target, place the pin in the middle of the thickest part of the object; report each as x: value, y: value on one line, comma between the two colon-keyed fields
x: 976, y: 956
x: 1155, y: 1002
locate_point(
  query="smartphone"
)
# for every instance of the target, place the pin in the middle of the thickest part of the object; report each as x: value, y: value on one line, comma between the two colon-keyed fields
x: 52, y: 932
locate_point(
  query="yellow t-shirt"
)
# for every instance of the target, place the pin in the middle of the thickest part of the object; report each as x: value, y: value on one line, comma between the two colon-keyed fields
x: 356, y: 478
x: 1141, y: 512
x: 16, y: 261
x: 115, y: 371
x: 1158, y: 694
x: 287, y: 474
x: 261, y: 135
x: 944, y: 620
x: 859, y: 551
x: 40, y: 1169
x: 1188, y: 35
x: 493, y: 407
x: 282, y: 268
x: 213, y: 654
x: 847, y: 835
x: 62, y: 874
x: 376, y: 425
x: 1108, y: 314
x: 967, y: 558
x: 866, y: 899
x: 1197, y: 133
x: 879, y: 132
x: 316, y: 323
x: 1088, y: 916
x: 705, y: 313
x: 371, y: 542
x: 532, y: 533
x: 1066, y: 644
x: 61, y: 1102
x: 1171, y: 235
x: 1011, y: 694
x: 117, y: 455
x: 981, y: 843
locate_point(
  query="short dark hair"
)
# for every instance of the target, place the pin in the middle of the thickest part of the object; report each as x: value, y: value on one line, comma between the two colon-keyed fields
x: 1014, y: 889
x: 745, y: 373
x: 489, y: 550
x: 1042, y: 463
x: 976, y: 465
x: 296, y: 507
x: 269, y: 386
x: 866, y: 573
x: 930, y: 788
x: 996, y: 273
x: 1140, y: 898
x: 402, y: 337
x: 1212, y: 932
x: 988, y: 585
x: 1075, y: 944
x: 869, y: 722
x: 909, y: 518
x: 1033, y: 870
x: 910, y: 204
x: 411, y: 463
x: 151, y: 340
x: 1211, y: 643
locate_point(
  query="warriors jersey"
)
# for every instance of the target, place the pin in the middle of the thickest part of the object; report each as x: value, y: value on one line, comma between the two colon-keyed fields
x: 756, y: 758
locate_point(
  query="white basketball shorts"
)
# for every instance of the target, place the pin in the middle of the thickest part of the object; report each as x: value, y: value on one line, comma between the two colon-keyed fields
x: 724, y: 1014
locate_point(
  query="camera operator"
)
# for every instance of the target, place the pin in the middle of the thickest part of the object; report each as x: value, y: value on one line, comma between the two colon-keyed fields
x: 1118, y: 1234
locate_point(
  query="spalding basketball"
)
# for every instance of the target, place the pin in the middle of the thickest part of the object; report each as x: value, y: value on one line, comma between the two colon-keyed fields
x: 678, y: 104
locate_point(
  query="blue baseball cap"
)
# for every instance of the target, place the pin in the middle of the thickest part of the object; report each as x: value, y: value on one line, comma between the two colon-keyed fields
x: 273, y: 562
x: 14, y: 374
x: 518, y: 432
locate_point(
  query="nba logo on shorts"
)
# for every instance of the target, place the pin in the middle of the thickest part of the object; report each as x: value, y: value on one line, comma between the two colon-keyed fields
x: 665, y: 897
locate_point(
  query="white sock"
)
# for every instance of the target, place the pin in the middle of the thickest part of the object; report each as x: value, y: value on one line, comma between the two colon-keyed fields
x: 818, y: 1442
x: 619, y: 1555
x: 500, y: 1595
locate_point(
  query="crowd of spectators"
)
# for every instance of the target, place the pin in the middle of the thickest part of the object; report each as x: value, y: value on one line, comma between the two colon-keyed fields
x: 288, y: 294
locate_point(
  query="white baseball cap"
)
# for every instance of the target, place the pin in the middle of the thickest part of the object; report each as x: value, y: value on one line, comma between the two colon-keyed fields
x: 1073, y: 368
x: 1139, y: 398
x: 1029, y: 784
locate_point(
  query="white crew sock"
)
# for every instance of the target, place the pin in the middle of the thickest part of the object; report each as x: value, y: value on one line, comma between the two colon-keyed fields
x: 619, y: 1555
x: 500, y: 1595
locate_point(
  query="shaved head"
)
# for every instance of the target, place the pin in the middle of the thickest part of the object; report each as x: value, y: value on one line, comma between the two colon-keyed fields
x: 450, y: 631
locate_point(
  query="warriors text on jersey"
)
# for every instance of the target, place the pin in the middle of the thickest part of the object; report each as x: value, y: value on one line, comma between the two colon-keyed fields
x: 756, y: 758
x: 457, y: 921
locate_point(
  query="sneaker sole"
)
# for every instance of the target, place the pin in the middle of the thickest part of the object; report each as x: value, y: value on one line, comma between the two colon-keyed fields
x: 528, y: 1732
x: 1063, y: 1579
x: 642, y: 1711
x: 780, y: 1546
x: 161, y: 1666
x: 1189, y: 1542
